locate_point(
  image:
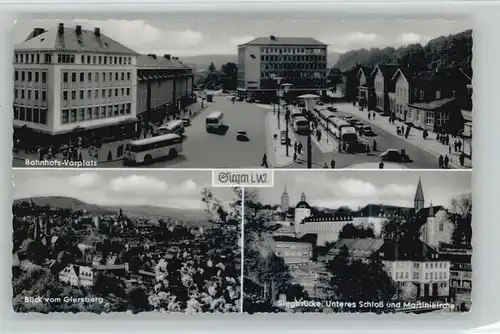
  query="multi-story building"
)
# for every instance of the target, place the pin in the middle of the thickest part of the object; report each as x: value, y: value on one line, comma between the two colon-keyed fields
x: 293, y: 250
x: 69, y: 80
x: 165, y: 85
x: 431, y: 99
x: 296, y: 60
x: 460, y: 276
x: 416, y: 268
x: 434, y: 221
x: 366, y: 92
x: 383, y: 85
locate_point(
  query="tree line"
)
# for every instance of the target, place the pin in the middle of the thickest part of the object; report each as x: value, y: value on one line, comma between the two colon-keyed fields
x: 452, y: 51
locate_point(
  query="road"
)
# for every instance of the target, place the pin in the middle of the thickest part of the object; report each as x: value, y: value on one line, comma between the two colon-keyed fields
x: 201, y: 149
x: 421, y: 159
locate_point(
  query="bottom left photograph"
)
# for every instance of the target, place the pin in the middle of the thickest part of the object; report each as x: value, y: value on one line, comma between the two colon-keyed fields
x: 125, y: 241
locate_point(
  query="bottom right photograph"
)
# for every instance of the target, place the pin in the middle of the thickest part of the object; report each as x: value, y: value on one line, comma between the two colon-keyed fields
x: 359, y: 241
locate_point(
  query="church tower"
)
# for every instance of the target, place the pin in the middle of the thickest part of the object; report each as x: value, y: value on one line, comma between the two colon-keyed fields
x: 303, y: 197
x: 418, y: 202
x: 285, y: 202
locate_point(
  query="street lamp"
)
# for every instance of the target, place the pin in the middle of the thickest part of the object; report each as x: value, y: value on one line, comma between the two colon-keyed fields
x: 278, y: 82
x: 286, y: 88
x: 309, y: 100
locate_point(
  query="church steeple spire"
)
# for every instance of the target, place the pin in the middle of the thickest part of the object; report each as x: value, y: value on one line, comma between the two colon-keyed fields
x: 285, y: 201
x: 419, y: 197
x: 303, y: 197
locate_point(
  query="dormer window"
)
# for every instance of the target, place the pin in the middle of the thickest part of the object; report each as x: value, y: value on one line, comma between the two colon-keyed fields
x: 421, y: 94
x: 438, y: 94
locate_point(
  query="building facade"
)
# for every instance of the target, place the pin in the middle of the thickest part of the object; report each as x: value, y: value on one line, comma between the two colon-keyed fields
x: 292, y: 251
x: 383, y: 85
x: 76, y: 275
x: 299, y: 61
x: 417, y: 269
x: 68, y: 79
x: 366, y: 92
x: 165, y: 85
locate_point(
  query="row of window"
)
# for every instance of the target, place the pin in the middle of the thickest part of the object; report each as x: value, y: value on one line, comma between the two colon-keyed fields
x: 294, y: 59
x: 30, y: 76
x: 416, y: 265
x: 290, y: 50
x: 295, y: 66
x: 30, y: 114
x: 64, y: 58
x: 95, y: 76
x: 35, y: 94
x: 76, y: 115
x: 293, y: 254
x: 416, y: 275
x: 32, y: 58
x: 105, y: 60
x: 116, y: 92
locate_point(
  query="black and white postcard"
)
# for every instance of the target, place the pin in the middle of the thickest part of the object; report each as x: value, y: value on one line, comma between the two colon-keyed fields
x: 124, y: 241
x: 382, y: 242
x: 243, y: 93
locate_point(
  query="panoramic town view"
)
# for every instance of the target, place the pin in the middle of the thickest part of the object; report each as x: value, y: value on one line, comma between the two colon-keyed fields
x: 294, y: 95
x: 359, y: 242
x: 117, y: 241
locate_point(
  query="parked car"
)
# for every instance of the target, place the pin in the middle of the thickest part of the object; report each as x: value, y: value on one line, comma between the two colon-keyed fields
x: 394, y: 155
x: 358, y: 125
x: 367, y: 131
x: 332, y: 109
x: 250, y: 100
x: 186, y: 121
x: 241, y: 135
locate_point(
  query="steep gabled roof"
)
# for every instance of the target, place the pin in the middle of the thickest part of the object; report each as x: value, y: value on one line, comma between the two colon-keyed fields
x: 419, y: 194
x: 160, y: 62
x: 386, y: 70
x: 278, y: 41
x: 69, y: 41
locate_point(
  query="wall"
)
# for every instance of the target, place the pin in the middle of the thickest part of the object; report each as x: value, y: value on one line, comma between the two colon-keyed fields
x: 402, y: 95
x: 252, y: 67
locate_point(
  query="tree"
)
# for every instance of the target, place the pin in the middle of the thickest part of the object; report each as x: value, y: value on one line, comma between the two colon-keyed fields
x: 349, y: 231
x: 229, y: 72
x: 356, y: 280
x: 211, y: 67
x: 462, y: 234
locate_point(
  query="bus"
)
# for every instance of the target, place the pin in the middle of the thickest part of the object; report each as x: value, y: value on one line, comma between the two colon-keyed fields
x: 214, y: 121
x: 175, y: 127
x: 343, y: 130
x: 301, y: 125
x: 149, y: 149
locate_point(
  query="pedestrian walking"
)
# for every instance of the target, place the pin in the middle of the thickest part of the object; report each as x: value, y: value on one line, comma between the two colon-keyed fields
x: 462, y: 159
x: 381, y: 165
x: 264, y: 161
x: 110, y: 155
x: 374, y: 116
x: 294, y: 156
x: 440, y: 162
x: 446, y: 161
x: 295, y: 147
x: 369, y: 116
x: 374, y: 145
x: 449, y: 149
x: 332, y: 164
x: 299, y: 148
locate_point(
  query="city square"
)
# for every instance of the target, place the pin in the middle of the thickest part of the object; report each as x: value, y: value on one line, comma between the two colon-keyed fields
x: 93, y: 102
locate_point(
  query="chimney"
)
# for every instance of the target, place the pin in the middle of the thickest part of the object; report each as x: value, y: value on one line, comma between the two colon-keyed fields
x: 60, y: 29
x: 97, y: 32
x: 167, y: 56
x: 78, y: 30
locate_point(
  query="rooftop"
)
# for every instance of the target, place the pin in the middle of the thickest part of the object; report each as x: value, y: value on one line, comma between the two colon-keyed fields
x: 432, y: 105
x: 72, y: 40
x: 275, y: 40
x: 151, y: 61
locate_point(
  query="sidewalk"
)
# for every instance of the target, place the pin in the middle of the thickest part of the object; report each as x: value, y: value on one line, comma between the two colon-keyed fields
x: 430, y: 144
x: 328, y: 143
x: 106, y: 147
x: 276, y: 152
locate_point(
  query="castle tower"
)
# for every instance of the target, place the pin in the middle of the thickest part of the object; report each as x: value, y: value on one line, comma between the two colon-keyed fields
x: 429, y: 231
x: 419, y: 197
x: 302, y: 211
x: 303, y: 197
x: 285, y: 201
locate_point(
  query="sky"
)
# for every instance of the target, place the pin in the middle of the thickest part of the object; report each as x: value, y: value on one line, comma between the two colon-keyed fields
x: 220, y: 34
x: 171, y: 189
x: 357, y: 189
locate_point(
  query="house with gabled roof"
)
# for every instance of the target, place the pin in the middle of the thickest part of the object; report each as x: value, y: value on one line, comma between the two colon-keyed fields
x: 383, y: 84
x: 366, y: 92
x: 77, y: 275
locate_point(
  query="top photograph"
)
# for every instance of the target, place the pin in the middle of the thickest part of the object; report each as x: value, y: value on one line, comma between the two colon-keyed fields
x: 231, y: 93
